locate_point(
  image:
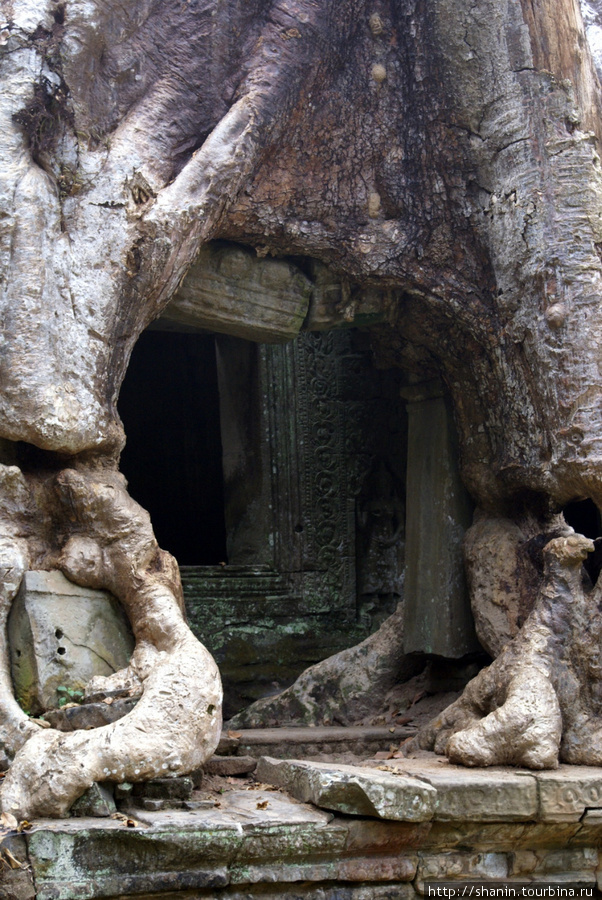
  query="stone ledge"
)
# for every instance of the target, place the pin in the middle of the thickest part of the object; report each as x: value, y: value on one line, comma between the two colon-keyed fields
x: 260, y: 843
x: 352, y: 790
x: 565, y: 794
x: 496, y: 794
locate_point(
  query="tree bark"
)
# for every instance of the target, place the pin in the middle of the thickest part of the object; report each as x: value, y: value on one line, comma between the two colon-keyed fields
x: 445, y: 155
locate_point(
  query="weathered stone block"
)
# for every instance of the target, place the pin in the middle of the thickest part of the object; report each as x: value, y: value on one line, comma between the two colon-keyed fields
x: 228, y: 289
x: 475, y: 795
x: 98, y: 801
x: 381, y: 868
x: 459, y: 865
x: 230, y: 765
x: 350, y: 789
x: 179, y: 788
x: 567, y: 792
x: 61, y: 634
x: 331, y: 305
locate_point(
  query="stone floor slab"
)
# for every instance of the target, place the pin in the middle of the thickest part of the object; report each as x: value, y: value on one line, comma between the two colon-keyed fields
x: 494, y: 794
x: 351, y: 789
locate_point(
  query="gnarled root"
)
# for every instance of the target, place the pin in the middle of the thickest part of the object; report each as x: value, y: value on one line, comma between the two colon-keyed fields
x: 537, y: 703
x: 341, y: 688
x: 15, y: 726
x: 176, y: 724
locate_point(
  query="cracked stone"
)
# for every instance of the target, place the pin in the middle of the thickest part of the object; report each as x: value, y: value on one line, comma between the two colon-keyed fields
x: 351, y: 789
x: 97, y: 801
x: 61, y: 635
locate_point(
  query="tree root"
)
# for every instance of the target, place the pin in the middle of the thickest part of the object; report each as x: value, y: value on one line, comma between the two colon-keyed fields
x: 342, y: 688
x: 176, y: 724
x: 539, y: 702
x: 15, y: 725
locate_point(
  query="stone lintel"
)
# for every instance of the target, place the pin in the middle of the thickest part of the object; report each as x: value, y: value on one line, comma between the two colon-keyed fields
x: 229, y: 290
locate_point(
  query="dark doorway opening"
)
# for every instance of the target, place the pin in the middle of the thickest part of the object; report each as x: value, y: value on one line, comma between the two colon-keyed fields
x: 169, y: 405
x: 584, y: 517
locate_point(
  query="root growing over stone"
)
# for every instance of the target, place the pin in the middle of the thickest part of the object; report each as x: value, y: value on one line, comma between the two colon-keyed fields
x: 540, y: 701
x: 175, y: 727
x: 342, y: 688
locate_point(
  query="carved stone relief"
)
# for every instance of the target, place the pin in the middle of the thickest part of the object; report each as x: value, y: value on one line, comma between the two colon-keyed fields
x: 306, y: 428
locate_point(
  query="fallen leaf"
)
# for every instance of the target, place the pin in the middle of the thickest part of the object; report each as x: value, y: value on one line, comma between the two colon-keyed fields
x: 234, y: 734
x: 24, y: 825
x: 108, y: 700
x: 383, y: 754
x: 71, y: 705
x: 12, y: 861
x: 42, y: 723
x: 404, y: 720
x: 392, y: 730
x: 419, y: 696
x: 8, y: 821
x: 263, y: 804
x: 128, y: 821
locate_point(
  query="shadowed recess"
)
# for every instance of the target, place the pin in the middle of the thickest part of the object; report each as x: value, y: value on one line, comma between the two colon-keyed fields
x: 169, y: 405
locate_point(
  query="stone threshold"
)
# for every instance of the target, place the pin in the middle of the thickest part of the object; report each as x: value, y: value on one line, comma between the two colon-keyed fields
x: 428, y: 820
x: 297, y: 741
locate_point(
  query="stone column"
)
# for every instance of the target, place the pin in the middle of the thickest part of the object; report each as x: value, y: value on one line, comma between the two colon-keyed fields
x: 438, y: 618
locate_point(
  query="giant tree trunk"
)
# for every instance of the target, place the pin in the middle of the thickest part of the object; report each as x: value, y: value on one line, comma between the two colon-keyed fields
x: 444, y: 154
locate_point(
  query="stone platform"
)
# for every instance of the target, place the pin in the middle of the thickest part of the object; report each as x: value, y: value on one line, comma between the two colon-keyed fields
x: 329, y: 832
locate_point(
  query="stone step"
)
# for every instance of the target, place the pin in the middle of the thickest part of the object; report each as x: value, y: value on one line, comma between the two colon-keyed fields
x: 295, y: 742
x: 395, y: 790
x: 350, y: 789
x: 261, y: 843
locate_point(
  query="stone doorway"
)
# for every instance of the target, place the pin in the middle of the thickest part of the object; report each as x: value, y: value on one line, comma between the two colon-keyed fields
x: 169, y: 404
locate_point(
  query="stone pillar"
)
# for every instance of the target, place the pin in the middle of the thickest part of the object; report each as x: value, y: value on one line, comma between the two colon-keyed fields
x: 438, y: 618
